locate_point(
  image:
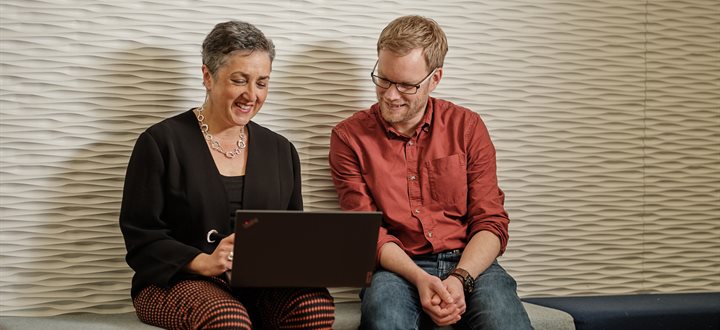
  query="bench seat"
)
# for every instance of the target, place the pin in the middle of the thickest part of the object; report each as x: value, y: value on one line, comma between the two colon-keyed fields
x: 698, y: 311
x: 347, y: 317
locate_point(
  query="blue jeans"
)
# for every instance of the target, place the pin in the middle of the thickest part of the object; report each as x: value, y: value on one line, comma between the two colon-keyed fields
x: 391, y: 302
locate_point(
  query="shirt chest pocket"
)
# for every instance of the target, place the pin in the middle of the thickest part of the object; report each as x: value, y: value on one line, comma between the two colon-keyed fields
x: 448, y: 180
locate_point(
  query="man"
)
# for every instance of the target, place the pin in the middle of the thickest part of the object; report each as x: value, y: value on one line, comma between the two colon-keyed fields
x: 429, y: 166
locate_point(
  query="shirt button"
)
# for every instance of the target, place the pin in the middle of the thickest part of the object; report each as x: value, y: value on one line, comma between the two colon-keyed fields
x: 410, y: 143
x: 425, y: 129
x: 412, y: 177
x: 430, y: 234
x: 417, y: 211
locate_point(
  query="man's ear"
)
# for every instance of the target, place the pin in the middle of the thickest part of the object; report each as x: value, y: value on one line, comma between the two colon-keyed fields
x: 435, y: 79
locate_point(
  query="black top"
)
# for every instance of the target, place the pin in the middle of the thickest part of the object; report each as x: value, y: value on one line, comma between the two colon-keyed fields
x: 174, y: 195
x: 234, y: 187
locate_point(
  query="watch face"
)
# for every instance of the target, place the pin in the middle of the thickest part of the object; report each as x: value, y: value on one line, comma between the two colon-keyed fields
x: 469, y: 284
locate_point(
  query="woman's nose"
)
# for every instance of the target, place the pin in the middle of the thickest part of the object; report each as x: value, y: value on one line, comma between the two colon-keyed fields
x: 250, y: 92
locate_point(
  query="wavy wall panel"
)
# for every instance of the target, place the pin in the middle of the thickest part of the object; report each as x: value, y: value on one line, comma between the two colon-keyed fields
x: 605, y: 114
x: 683, y: 147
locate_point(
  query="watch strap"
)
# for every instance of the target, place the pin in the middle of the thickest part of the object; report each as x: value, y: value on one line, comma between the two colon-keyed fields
x: 459, y: 277
x: 465, y: 278
x: 464, y: 273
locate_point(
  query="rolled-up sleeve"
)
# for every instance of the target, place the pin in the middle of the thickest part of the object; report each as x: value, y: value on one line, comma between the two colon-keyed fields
x: 353, y: 192
x: 486, y: 211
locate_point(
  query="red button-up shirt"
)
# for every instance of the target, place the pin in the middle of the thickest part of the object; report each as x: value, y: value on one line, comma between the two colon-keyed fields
x: 435, y: 189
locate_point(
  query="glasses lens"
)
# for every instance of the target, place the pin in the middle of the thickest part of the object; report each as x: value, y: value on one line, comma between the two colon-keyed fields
x: 380, y: 82
x: 406, y: 89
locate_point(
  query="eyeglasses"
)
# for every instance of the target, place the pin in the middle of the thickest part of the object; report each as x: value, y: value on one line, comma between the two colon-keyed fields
x: 404, y: 88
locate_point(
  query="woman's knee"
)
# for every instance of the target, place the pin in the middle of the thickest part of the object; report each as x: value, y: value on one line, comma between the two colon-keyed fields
x: 191, y: 305
x: 226, y: 316
x: 315, y: 310
x: 297, y: 308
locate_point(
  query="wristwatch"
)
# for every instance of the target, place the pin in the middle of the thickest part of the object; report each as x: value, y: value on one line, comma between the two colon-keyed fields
x: 465, y: 278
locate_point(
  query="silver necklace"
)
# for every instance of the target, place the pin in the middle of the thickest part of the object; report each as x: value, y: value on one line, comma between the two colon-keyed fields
x: 214, y: 143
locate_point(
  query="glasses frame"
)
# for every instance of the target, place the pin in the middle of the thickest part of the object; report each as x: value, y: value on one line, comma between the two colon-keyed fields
x: 373, y: 76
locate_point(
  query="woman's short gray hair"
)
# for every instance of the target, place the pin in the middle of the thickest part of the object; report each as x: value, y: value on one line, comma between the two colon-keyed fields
x: 228, y: 37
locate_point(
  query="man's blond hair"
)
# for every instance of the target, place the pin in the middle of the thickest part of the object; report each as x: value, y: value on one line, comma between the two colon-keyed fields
x: 406, y: 33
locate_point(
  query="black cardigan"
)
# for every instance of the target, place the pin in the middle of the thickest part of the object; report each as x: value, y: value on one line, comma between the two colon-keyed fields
x: 174, y: 195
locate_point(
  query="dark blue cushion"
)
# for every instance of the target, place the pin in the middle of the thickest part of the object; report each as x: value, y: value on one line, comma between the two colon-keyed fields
x: 640, y: 311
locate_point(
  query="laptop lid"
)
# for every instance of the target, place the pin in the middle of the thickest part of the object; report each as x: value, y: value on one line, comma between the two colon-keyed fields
x: 304, y: 249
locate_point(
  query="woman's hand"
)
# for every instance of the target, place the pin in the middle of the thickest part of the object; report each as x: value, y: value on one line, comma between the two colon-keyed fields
x: 216, y: 263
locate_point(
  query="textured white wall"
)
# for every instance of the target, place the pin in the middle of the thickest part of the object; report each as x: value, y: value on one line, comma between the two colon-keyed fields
x: 605, y: 114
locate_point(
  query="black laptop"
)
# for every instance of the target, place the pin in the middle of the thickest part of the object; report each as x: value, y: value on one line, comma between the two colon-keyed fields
x: 304, y: 249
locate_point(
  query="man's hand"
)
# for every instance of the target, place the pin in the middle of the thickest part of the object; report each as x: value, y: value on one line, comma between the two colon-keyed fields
x: 438, y: 302
x: 455, y: 288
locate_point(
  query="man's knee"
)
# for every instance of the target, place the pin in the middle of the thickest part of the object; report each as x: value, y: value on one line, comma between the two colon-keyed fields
x: 377, y: 315
x: 495, y: 280
x: 494, y: 303
x: 389, y: 303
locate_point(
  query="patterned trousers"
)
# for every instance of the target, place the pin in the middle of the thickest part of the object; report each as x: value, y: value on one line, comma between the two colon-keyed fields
x: 212, y: 304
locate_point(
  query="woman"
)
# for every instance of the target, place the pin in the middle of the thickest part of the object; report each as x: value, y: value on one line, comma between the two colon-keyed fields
x: 186, y: 177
